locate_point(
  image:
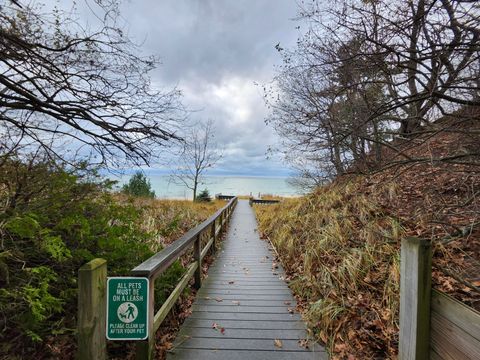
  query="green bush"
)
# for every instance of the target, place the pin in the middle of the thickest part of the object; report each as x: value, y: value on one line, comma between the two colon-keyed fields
x: 139, y: 185
x: 53, y: 221
x: 204, y: 196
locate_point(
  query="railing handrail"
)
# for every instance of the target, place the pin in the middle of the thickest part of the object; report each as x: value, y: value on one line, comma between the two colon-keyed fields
x: 263, y: 201
x: 158, y: 263
x: 224, y: 197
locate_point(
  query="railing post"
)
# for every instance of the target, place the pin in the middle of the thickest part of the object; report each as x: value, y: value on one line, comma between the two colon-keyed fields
x: 415, y: 289
x: 145, y: 348
x: 214, y: 236
x: 92, y: 280
x: 197, y: 256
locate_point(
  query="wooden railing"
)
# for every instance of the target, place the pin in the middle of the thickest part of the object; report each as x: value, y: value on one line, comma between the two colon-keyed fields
x: 433, y: 325
x: 153, y: 267
x: 252, y: 201
x: 454, y: 329
x: 223, y: 197
x: 92, y: 279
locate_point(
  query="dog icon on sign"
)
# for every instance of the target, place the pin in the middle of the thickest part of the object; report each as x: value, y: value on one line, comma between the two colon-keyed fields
x: 127, y: 312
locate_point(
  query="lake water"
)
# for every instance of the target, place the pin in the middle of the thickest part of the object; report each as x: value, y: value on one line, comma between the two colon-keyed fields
x: 226, y: 185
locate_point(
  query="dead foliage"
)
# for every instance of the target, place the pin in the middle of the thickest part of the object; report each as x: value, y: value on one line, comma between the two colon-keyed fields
x: 340, y: 244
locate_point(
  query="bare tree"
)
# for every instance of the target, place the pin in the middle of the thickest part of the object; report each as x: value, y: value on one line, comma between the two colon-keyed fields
x: 63, y: 86
x: 427, y: 51
x: 308, y: 175
x: 367, y: 73
x: 200, y: 153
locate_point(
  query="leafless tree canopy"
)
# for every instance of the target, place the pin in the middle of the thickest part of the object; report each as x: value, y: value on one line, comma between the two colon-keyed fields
x: 66, y: 87
x: 369, y: 72
x: 200, y: 153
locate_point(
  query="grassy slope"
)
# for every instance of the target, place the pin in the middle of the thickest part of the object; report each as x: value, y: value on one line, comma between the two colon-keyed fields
x: 170, y: 219
x: 340, y: 245
x: 340, y: 251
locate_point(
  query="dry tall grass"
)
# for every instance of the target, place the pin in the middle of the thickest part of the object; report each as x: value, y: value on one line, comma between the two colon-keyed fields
x: 341, y: 252
x: 170, y: 219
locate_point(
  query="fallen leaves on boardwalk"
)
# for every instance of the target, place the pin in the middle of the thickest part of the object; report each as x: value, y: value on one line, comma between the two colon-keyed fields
x: 215, y: 326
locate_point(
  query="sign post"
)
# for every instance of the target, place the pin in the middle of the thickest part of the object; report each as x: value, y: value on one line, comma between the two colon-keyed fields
x: 127, y: 308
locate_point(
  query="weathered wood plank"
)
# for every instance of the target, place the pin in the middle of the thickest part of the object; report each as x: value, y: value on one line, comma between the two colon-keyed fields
x: 247, y: 324
x: 263, y: 201
x: 214, y: 237
x: 233, y: 287
x: 245, y: 302
x: 247, y: 295
x: 242, y: 309
x: 92, y: 279
x: 207, y: 248
x: 242, y: 316
x: 223, y: 197
x: 415, y: 286
x: 453, y: 310
x: 144, y: 349
x: 236, y: 266
x: 269, y: 297
x: 245, y: 286
x: 267, y: 275
x: 197, y: 257
x: 201, y: 354
x: 251, y: 273
x: 434, y: 355
x: 450, y: 341
x: 265, y: 334
x: 238, y: 344
x: 211, y: 292
x: 168, y: 304
x: 242, y: 280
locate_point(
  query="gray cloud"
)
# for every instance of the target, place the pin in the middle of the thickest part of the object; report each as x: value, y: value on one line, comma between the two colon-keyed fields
x: 215, y: 51
x: 209, y: 38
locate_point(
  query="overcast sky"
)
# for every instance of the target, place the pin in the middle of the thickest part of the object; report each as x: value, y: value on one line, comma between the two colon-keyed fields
x: 215, y: 51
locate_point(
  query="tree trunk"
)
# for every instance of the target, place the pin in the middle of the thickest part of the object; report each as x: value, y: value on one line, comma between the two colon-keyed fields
x: 378, y: 146
x: 195, y: 185
x: 337, y: 159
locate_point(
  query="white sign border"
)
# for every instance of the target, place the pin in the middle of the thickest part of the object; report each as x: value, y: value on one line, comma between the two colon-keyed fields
x: 148, y: 307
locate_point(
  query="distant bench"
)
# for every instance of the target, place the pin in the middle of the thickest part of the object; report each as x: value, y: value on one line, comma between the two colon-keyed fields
x: 223, y: 197
x: 262, y: 201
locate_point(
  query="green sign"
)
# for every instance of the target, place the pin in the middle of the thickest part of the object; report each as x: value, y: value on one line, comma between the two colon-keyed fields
x: 127, y: 308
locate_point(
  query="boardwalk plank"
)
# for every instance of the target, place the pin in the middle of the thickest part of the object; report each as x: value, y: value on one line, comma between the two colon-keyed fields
x: 246, y: 324
x: 241, y: 316
x: 245, y: 294
x: 265, y: 334
x: 214, y: 354
x: 247, y: 302
x: 239, y: 344
x: 242, y: 308
x: 253, y: 292
x: 278, y: 297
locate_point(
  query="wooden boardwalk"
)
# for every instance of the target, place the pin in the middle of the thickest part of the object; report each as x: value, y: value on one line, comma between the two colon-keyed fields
x: 244, y: 309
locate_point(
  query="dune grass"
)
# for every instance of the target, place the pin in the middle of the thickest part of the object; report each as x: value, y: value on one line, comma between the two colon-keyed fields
x: 341, y: 251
